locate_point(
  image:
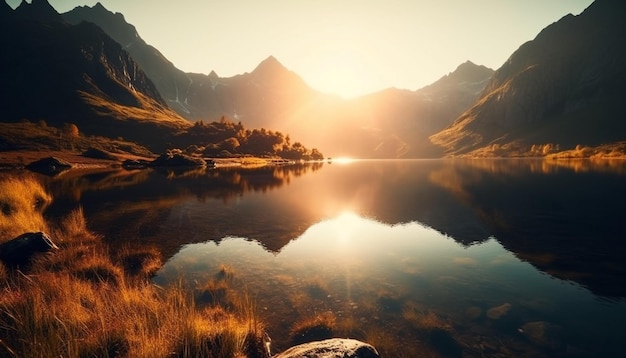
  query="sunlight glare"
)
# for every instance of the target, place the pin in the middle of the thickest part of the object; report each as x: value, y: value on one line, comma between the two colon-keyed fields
x: 344, y: 160
x: 342, y: 72
x: 345, y: 227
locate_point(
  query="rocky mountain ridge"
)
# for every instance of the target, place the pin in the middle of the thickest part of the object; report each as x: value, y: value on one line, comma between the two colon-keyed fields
x: 561, y: 89
x: 391, y: 123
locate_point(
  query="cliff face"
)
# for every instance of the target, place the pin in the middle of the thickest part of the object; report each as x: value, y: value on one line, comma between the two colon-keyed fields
x: 564, y: 87
x: 62, y: 73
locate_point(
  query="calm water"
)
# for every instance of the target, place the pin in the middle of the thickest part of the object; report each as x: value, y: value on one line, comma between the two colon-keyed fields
x: 439, y: 258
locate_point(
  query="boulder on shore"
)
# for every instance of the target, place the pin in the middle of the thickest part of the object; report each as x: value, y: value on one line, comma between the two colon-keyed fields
x: 331, y: 348
x: 177, y: 160
x: 19, y: 251
x: 49, y: 166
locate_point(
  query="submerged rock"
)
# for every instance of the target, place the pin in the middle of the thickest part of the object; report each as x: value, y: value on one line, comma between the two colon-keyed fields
x: 499, y: 311
x: 543, y: 333
x: 49, y: 166
x: 19, y: 251
x: 331, y: 348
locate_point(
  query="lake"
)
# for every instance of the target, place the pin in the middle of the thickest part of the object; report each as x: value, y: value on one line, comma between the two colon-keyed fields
x: 441, y: 258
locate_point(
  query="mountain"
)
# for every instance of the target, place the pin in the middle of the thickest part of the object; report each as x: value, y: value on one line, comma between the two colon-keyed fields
x: 403, y: 120
x: 391, y: 123
x: 269, y: 91
x: 60, y: 73
x: 563, y: 88
x: 172, y: 83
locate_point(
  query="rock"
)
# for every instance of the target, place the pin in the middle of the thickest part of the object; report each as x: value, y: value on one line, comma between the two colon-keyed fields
x: 499, y: 311
x: 331, y: 348
x: 18, y: 252
x: 177, y: 160
x: 49, y: 166
x: 543, y: 333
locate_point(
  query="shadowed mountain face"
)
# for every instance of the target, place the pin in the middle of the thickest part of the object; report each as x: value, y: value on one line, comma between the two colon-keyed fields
x: 388, y: 124
x: 77, y: 74
x: 256, y: 98
x: 564, y: 87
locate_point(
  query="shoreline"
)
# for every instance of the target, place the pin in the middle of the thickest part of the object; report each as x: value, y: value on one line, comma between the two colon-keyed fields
x: 18, y: 159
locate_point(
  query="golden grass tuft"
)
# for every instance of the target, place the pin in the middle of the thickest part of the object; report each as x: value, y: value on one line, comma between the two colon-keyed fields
x: 139, y: 262
x: 314, y: 328
x: 3, y: 272
x: 22, y: 202
x: 83, y: 301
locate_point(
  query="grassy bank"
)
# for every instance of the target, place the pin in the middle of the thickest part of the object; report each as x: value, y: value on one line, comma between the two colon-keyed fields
x: 87, y: 301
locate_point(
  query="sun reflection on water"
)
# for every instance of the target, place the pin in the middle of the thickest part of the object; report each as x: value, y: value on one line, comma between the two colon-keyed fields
x: 406, y: 280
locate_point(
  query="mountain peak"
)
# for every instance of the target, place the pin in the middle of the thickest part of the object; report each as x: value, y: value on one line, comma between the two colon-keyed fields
x: 470, y: 71
x: 467, y: 72
x: 37, y: 9
x: 5, y: 8
x: 114, y: 24
x: 269, y: 66
x: 99, y: 10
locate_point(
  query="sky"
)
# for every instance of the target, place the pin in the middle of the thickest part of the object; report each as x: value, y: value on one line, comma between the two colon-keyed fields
x: 343, y: 47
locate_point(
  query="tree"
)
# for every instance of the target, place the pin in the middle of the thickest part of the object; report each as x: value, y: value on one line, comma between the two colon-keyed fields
x: 316, y: 154
x: 70, y: 130
x: 230, y: 144
x: 67, y: 134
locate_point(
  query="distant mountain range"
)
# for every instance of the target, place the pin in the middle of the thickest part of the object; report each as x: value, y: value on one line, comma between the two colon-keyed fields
x: 565, y: 87
x: 561, y: 89
x: 392, y: 123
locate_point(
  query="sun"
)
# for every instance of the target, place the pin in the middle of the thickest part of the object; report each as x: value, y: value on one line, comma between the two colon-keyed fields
x: 342, y: 72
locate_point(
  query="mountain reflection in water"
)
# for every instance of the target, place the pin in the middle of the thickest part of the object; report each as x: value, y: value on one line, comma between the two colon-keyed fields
x: 393, y: 246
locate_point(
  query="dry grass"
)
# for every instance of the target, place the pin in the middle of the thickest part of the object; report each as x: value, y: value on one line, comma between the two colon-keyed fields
x: 314, y: 328
x: 24, y: 142
x: 85, y: 302
x: 22, y: 202
x: 140, y: 262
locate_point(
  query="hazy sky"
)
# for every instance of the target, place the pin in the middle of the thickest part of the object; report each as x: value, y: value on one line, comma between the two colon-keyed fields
x: 347, y: 47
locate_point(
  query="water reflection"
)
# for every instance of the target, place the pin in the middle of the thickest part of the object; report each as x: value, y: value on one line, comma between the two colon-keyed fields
x: 178, y: 208
x: 564, y: 220
x: 398, y: 251
x: 398, y: 285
